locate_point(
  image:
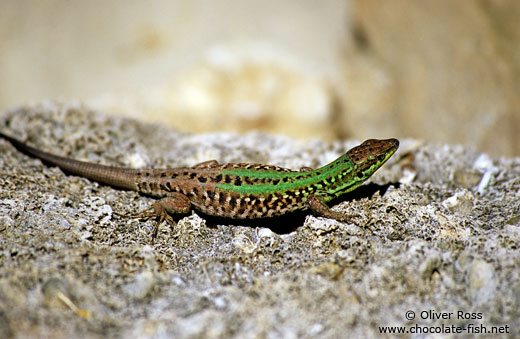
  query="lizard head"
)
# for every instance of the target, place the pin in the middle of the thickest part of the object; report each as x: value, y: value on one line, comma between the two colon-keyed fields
x: 370, y: 156
x: 372, y: 153
x: 359, y: 163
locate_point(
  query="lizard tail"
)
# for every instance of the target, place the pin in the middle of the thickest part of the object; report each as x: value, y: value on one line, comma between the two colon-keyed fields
x: 109, y: 175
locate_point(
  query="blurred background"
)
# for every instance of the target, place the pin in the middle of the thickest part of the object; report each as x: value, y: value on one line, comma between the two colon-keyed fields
x: 442, y: 71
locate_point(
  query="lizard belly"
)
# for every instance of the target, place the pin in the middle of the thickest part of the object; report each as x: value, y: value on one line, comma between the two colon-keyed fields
x: 236, y: 206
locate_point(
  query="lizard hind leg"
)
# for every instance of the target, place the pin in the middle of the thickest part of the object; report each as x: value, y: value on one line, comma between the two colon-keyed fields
x: 176, y: 203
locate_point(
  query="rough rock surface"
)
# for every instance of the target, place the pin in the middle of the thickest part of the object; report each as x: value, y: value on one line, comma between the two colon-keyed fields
x: 437, y: 234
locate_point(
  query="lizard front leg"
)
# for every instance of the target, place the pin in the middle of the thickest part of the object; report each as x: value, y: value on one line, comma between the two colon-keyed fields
x: 321, y: 209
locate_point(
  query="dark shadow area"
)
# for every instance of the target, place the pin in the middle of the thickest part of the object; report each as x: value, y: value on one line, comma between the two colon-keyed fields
x: 364, y: 191
x: 281, y: 225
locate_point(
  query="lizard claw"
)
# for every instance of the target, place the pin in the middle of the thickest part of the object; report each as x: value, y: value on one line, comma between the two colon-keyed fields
x: 160, y: 211
x: 142, y: 214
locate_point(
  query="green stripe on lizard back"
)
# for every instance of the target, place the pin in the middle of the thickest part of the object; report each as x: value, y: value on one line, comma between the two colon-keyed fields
x: 341, y: 176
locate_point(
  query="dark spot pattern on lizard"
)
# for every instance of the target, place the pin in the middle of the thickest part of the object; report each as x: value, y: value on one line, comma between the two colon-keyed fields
x: 221, y: 198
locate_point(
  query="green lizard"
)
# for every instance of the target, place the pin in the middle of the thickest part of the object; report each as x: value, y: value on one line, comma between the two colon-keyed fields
x: 235, y: 190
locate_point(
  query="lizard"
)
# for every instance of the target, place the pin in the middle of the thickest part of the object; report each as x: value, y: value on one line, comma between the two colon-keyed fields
x: 234, y: 190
